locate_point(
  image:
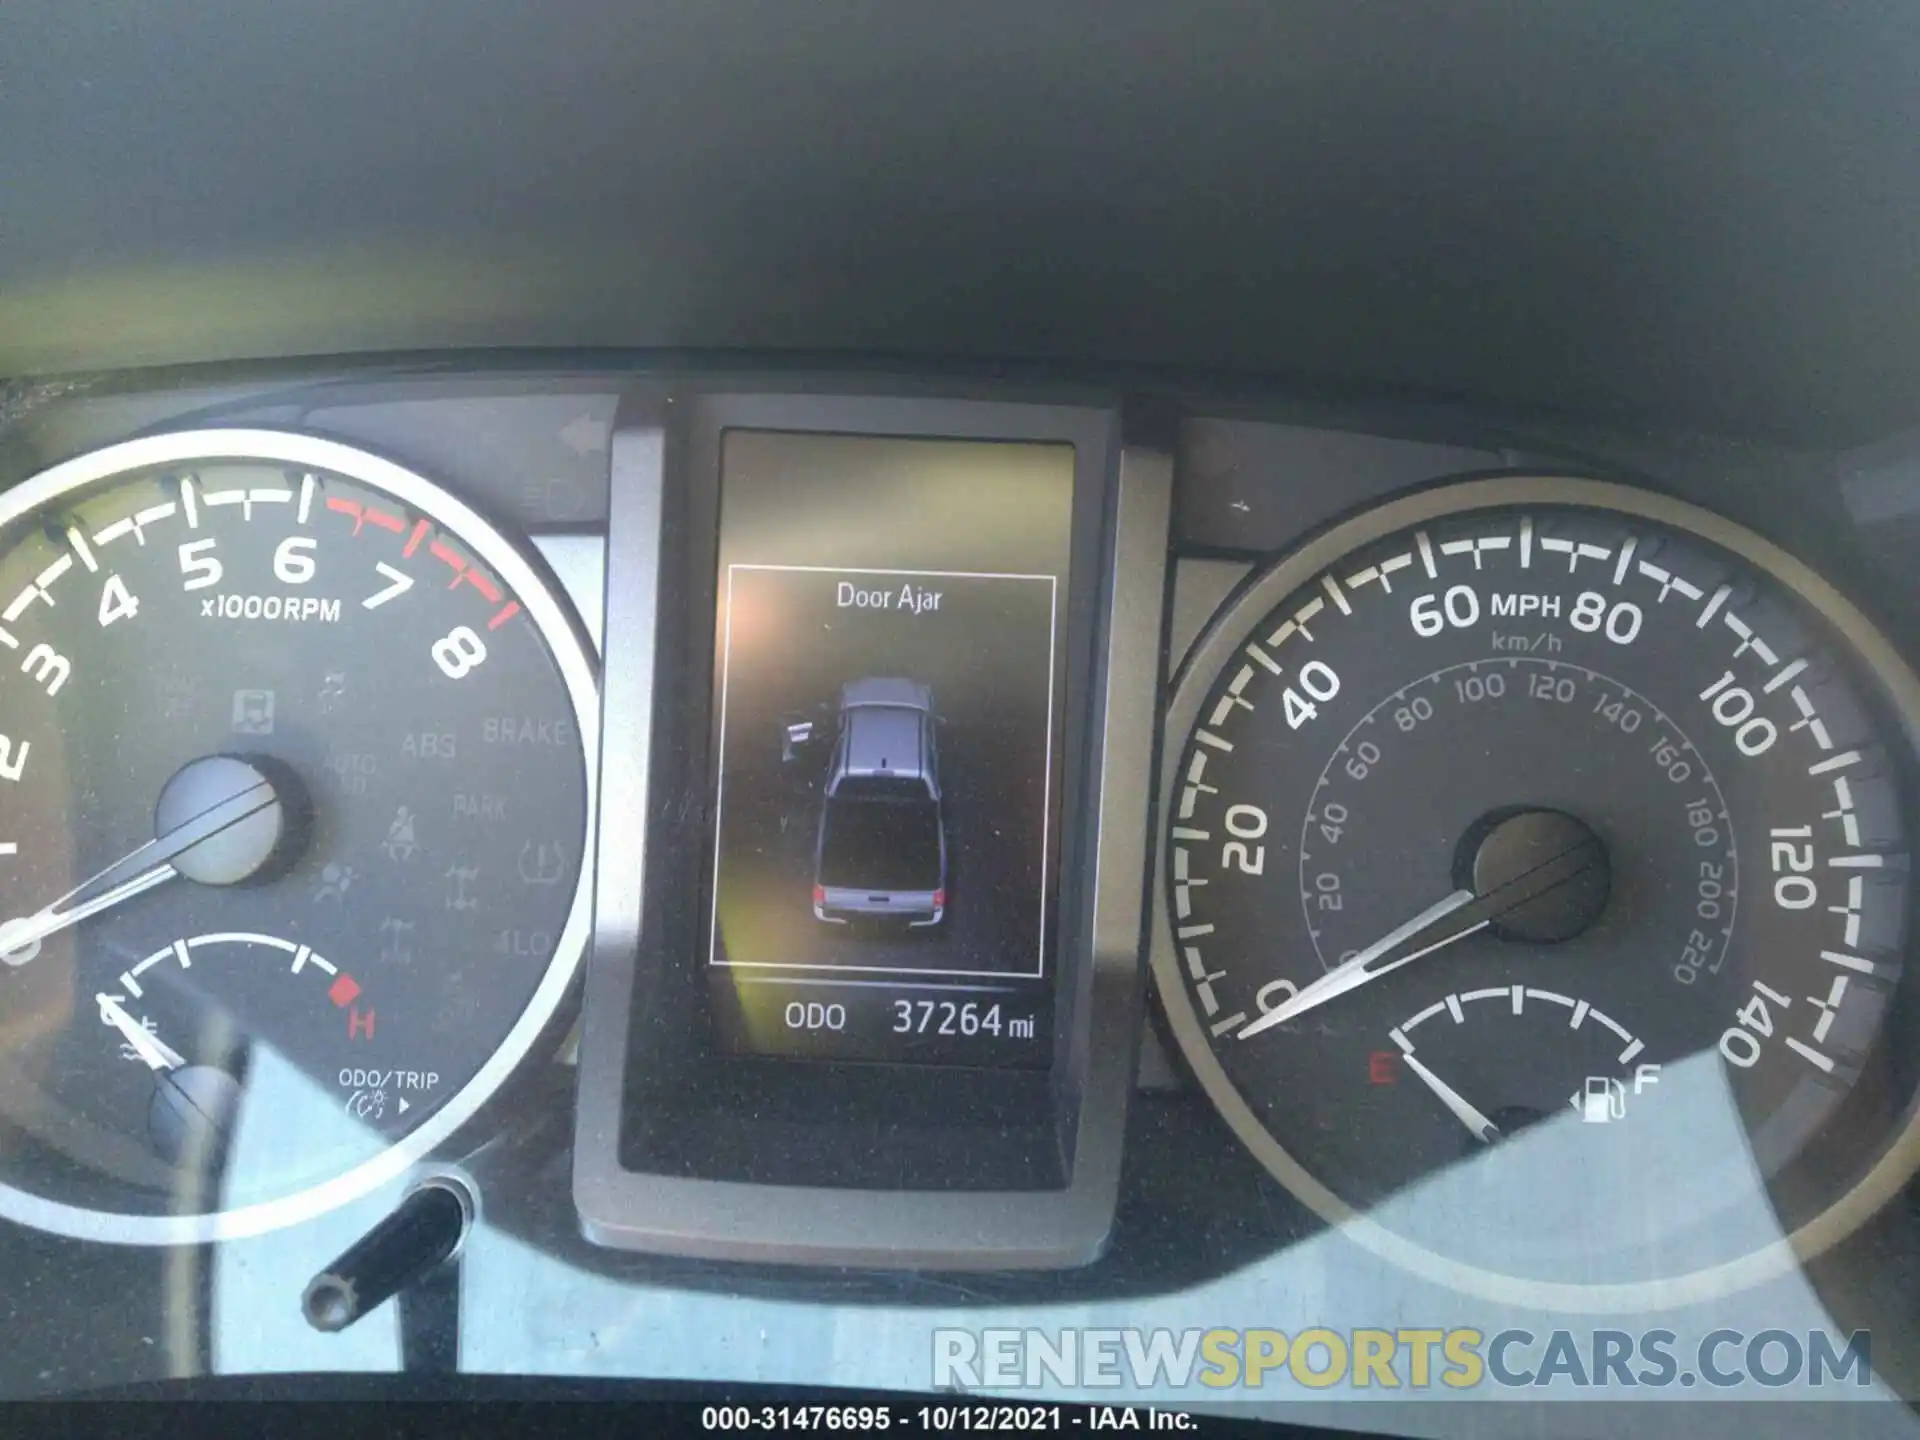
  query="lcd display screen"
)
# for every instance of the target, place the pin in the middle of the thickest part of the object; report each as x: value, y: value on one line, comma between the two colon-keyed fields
x: 887, y: 747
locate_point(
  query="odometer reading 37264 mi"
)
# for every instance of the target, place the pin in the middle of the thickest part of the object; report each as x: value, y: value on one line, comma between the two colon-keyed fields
x: 1535, y: 889
x: 294, y: 823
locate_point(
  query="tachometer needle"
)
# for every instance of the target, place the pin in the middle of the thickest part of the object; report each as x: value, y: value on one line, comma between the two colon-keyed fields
x: 20, y: 939
x: 1483, y: 1129
x: 133, y: 874
x: 150, y: 1048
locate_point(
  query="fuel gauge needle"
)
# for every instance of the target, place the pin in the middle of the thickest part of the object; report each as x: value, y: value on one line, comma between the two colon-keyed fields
x: 150, y: 1048
x: 1464, y: 1110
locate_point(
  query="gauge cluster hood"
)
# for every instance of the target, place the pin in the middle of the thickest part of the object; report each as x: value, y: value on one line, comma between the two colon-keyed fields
x: 1628, y: 210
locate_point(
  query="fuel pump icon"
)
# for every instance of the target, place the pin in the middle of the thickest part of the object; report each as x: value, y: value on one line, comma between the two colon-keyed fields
x: 1603, y: 1099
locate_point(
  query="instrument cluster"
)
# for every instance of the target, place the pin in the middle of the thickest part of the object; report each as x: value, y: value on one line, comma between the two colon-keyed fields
x: 797, y: 837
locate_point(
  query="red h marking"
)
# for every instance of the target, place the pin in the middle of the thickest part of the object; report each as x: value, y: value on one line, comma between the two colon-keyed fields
x: 358, y: 1023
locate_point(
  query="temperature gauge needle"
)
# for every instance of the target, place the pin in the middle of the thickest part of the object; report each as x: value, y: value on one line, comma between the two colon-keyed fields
x: 150, y: 1048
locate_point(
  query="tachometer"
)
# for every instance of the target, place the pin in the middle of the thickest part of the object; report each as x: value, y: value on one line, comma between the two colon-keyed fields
x: 295, y: 810
x: 1535, y: 891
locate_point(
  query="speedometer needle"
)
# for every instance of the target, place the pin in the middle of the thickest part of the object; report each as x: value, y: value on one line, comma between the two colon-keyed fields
x: 1386, y: 954
x: 1461, y: 914
x: 133, y: 874
x: 150, y: 1048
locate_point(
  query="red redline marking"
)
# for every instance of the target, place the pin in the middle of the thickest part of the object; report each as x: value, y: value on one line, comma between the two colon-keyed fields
x: 344, y: 991
x: 480, y: 581
x: 348, y: 507
x: 489, y: 589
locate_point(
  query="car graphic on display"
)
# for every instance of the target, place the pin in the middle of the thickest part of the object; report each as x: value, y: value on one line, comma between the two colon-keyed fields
x: 882, y: 848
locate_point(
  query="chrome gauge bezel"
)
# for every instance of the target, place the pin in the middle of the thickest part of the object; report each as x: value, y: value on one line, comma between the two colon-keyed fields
x: 562, y: 635
x: 1237, y: 621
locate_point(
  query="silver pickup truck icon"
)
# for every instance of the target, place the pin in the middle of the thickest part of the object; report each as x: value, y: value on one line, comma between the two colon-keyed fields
x: 882, y: 848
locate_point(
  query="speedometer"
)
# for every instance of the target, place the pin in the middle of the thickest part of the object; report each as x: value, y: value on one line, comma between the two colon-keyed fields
x: 295, y: 811
x: 1535, y: 891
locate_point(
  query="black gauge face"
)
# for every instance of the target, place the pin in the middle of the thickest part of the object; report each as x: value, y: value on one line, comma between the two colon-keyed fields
x: 294, y: 812
x: 1535, y: 884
